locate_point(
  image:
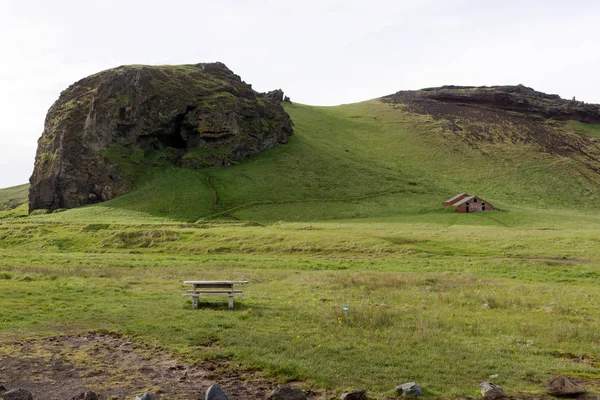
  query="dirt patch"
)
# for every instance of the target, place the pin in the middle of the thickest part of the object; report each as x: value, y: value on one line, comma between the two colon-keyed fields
x: 586, y: 359
x: 117, y: 368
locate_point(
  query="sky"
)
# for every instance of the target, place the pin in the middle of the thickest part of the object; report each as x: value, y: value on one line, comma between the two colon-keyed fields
x: 320, y: 52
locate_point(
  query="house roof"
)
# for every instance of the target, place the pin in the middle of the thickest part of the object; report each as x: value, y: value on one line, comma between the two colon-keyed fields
x: 463, y: 201
x: 455, y: 197
x: 466, y: 199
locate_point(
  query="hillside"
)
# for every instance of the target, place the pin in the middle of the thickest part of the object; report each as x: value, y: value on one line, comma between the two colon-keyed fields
x: 381, y: 159
x: 12, y: 197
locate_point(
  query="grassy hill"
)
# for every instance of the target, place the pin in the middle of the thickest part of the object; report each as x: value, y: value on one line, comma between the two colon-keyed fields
x: 13, y: 197
x: 370, y: 159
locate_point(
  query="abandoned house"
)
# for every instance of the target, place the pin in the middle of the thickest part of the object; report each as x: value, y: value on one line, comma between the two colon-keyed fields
x: 466, y: 203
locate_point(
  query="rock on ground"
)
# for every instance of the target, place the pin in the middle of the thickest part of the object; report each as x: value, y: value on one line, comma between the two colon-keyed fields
x: 87, y: 395
x: 287, y: 393
x: 409, y: 389
x: 17, y: 394
x: 354, y: 395
x: 215, y: 392
x: 563, y: 386
x: 491, y: 391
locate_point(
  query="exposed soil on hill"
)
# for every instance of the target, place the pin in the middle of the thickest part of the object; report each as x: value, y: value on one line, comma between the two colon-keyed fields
x: 483, y: 116
x: 117, y: 368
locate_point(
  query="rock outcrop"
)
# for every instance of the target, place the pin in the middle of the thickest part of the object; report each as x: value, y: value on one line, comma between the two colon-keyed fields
x: 517, y: 98
x: 102, y: 128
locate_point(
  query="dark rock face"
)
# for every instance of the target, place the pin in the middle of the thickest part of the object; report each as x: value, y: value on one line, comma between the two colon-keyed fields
x: 510, y: 98
x: 275, y: 95
x: 192, y: 116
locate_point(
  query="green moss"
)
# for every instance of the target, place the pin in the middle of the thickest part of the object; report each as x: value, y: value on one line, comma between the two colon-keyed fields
x: 46, y: 159
x: 207, y: 157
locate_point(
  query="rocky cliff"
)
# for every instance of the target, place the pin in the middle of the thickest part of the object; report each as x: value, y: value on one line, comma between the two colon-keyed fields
x: 106, y: 125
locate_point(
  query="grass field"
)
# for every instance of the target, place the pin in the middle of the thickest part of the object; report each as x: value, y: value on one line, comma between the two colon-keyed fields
x: 347, y: 214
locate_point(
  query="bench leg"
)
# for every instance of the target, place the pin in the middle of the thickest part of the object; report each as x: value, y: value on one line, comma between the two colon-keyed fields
x: 194, y: 303
x: 230, y: 302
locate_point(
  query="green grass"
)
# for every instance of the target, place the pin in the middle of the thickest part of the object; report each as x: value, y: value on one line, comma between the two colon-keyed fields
x: 445, y: 299
x: 347, y: 214
x: 13, y: 197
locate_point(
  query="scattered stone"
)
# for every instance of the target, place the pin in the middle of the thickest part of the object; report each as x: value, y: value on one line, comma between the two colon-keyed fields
x: 146, y: 396
x: 87, y: 395
x: 485, y: 305
x: 409, y: 389
x: 287, y: 393
x: 215, y: 392
x: 563, y: 386
x: 355, y: 395
x: 494, y: 376
x: 17, y: 394
x: 491, y: 391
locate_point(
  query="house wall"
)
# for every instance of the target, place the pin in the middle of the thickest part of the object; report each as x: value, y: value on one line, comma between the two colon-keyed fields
x: 475, y: 206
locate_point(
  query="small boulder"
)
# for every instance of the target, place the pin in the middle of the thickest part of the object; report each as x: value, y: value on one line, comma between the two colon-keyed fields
x: 146, y: 396
x: 87, y: 395
x: 355, y: 395
x: 287, y: 393
x: 491, y: 391
x: 17, y: 394
x: 563, y: 386
x: 215, y: 392
x: 409, y: 389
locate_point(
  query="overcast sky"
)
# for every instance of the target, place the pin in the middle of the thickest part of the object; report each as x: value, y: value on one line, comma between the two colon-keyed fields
x: 321, y: 52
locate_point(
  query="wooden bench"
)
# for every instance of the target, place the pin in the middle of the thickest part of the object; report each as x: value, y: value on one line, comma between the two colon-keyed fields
x: 213, y: 288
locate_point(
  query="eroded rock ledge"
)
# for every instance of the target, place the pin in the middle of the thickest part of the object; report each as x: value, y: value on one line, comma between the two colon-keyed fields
x: 191, y: 116
x: 517, y: 98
